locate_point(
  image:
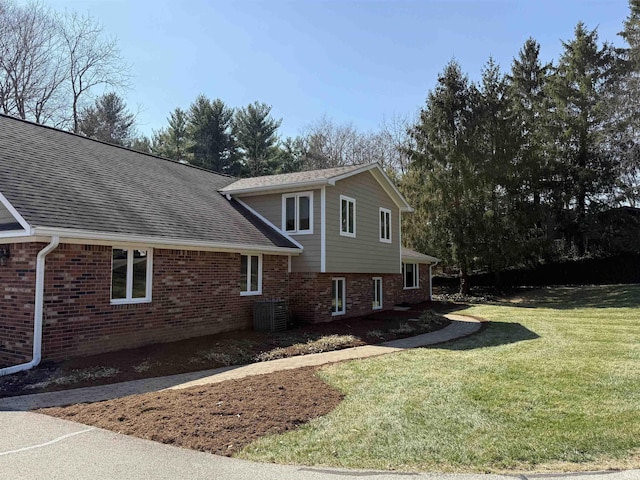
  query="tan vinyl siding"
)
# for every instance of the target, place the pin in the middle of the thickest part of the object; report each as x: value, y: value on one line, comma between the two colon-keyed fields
x: 5, y: 216
x: 270, y: 207
x: 365, y: 253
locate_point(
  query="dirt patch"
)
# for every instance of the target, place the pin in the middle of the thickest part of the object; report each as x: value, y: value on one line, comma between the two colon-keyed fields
x: 214, y: 351
x: 219, y: 418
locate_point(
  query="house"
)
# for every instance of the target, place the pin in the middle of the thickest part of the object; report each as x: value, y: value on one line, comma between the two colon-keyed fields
x: 103, y: 248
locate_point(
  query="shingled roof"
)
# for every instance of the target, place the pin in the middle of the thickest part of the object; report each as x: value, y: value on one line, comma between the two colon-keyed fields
x: 58, y: 180
x: 311, y: 177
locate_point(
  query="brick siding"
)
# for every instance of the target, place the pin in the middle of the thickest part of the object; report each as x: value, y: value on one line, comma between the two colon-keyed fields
x: 194, y: 294
x: 311, y: 298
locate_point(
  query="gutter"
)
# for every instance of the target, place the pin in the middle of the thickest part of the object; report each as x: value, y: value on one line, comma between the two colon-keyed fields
x: 38, y: 312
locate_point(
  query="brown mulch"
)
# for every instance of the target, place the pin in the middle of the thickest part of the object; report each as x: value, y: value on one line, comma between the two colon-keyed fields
x: 219, y: 418
x: 231, y: 348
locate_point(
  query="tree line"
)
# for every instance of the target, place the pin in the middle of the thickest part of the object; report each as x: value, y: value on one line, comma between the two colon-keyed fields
x: 507, y: 171
x: 518, y: 167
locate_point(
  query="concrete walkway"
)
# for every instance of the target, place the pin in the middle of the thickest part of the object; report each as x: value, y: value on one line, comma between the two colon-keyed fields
x: 461, y: 326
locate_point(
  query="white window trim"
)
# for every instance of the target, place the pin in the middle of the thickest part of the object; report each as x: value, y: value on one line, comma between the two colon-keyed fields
x: 352, y: 200
x: 297, y: 231
x: 382, y: 239
x: 379, y: 307
x: 248, y: 293
x: 344, y: 296
x: 129, y: 282
x: 416, y: 276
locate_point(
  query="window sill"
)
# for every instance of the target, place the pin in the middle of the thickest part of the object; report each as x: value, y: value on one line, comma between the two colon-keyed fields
x: 303, y: 232
x: 377, y: 308
x: 337, y: 314
x: 133, y: 301
x: 345, y: 234
x: 382, y: 240
x: 250, y: 294
x: 411, y: 288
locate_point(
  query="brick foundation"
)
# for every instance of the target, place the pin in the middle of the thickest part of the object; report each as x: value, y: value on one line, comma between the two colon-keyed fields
x: 311, y: 294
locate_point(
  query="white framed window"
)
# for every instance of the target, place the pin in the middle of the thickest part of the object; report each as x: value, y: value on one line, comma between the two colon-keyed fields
x: 347, y: 216
x: 131, y: 275
x: 411, y: 274
x: 250, y: 275
x: 377, y: 293
x: 338, y: 295
x: 385, y: 225
x: 297, y: 213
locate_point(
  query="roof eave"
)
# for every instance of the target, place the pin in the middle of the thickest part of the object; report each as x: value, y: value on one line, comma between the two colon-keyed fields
x: 274, y: 188
x: 160, y: 242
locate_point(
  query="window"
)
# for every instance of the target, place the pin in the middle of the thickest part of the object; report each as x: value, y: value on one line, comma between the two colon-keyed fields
x: 377, y: 293
x: 347, y: 216
x: 250, y: 274
x: 385, y: 225
x: 338, y: 306
x: 131, y: 273
x: 410, y: 274
x: 297, y: 213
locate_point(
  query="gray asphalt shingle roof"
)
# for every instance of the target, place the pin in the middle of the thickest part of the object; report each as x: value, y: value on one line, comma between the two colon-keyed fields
x: 285, y: 179
x: 59, y: 180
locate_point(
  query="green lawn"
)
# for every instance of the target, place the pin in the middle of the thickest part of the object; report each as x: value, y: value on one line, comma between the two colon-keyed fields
x: 553, y: 383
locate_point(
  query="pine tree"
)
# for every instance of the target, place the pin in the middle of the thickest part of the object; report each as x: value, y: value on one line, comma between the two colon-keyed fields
x: 256, y: 132
x: 210, y: 132
x: 173, y: 142
x: 108, y: 120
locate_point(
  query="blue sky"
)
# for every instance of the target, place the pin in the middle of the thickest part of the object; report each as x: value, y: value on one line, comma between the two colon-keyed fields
x: 353, y: 61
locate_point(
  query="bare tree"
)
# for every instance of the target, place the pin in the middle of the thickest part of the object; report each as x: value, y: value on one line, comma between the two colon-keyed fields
x: 92, y: 61
x: 31, y: 67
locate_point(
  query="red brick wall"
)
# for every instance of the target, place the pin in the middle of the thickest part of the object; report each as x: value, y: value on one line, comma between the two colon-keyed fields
x: 17, y: 290
x: 194, y: 293
x: 311, y: 294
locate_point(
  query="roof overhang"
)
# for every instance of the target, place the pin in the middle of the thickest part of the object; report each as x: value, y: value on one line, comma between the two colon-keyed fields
x: 376, y: 170
x: 68, y: 235
x: 409, y: 255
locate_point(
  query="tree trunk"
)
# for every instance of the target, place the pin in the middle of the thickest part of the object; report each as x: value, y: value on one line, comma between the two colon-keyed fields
x: 464, y: 282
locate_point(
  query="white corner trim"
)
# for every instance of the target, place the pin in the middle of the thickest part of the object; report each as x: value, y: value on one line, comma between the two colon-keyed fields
x: 23, y: 223
x: 323, y: 229
x: 263, y: 219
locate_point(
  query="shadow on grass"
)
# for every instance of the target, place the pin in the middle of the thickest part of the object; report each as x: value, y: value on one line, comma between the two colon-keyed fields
x: 569, y: 298
x: 493, y: 334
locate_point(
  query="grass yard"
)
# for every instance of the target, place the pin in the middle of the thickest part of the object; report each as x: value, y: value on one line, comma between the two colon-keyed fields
x: 553, y: 383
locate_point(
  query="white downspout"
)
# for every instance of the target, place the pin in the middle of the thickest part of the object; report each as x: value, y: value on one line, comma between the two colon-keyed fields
x: 38, y: 312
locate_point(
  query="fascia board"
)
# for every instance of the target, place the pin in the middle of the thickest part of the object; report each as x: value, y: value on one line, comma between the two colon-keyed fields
x: 282, y: 187
x: 68, y: 235
x: 23, y: 223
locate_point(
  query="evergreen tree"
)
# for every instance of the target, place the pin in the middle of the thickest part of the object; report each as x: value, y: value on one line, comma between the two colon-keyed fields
x: 443, y: 182
x: 173, y: 142
x: 579, y: 88
x: 210, y: 132
x: 256, y: 133
x: 108, y: 120
x: 291, y: 155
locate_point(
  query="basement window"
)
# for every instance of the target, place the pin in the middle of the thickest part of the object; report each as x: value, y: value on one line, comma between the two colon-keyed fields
x: 131, y: 274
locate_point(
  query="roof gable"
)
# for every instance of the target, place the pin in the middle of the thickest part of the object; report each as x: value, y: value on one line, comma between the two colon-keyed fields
x: 56, y: 179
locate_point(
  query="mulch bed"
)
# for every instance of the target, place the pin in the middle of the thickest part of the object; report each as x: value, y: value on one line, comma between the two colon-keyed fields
x: 220, y: 418
x: 231, y: 348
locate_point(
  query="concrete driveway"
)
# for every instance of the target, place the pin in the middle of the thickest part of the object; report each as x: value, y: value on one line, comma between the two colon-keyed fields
x: 35, y: 447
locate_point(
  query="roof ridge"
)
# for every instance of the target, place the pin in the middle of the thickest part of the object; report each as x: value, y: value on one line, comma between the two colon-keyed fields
x: 49, y: 127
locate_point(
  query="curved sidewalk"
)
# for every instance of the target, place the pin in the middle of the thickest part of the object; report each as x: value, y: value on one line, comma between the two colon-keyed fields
x: 461, y: 326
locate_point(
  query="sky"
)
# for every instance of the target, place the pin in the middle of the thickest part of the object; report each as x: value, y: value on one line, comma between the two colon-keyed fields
x: 359, y: 62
